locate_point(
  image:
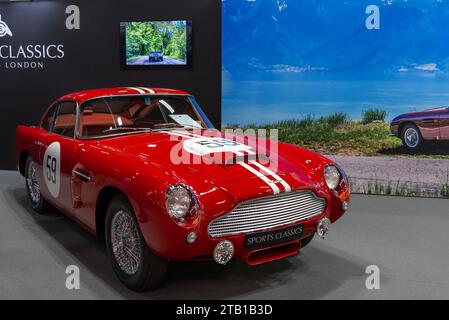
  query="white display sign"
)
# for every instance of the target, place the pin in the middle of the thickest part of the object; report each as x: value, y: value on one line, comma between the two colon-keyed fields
x: 185, y: 120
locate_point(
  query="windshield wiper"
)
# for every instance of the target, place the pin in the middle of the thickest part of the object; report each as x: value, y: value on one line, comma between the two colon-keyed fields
x: 127, y: 128
x: 178, y: 127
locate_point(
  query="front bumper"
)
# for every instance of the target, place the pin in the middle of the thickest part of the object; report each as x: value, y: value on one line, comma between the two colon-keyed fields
x: 394, y: 129
x: 173, y: 245
x: 259, y: 254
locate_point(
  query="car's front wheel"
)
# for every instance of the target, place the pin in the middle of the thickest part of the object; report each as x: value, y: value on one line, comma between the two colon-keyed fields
x: 38, y: 203
x: 411, y: 137
x: 133, y: 262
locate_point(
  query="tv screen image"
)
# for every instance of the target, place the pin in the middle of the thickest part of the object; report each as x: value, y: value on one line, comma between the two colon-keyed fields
x: 153, y: 43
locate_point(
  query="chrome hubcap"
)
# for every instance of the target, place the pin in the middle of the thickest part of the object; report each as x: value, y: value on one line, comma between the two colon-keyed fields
x: 411, y: 137
x: 126, y: 243
x: 33, y: 186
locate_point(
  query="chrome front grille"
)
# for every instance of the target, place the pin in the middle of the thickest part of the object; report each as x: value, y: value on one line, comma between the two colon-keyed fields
x: 268, y: 212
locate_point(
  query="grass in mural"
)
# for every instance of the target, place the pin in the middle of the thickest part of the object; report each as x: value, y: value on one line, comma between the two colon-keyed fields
x: 372, y: 115
x: 399, y: 188
x: 338, y: 134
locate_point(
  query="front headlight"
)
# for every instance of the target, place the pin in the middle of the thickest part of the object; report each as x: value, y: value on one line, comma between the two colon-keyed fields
x: 332, y: 176
x: 180, y: 202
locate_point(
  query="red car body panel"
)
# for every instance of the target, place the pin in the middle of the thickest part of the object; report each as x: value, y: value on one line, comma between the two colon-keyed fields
x: 432, y: 123
x: 139, y: 166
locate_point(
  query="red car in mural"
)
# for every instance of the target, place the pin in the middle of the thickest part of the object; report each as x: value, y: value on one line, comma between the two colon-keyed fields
x: 415, y: 128
x: 114, y: 160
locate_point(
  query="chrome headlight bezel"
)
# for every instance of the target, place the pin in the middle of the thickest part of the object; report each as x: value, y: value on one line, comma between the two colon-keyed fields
x: 332, y: 176
x: 187, y: 202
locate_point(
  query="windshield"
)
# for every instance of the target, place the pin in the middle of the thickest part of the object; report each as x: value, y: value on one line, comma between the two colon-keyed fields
x: 130, y: 114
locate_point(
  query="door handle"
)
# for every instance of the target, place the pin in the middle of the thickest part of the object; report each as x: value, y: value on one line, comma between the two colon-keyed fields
x: 428, y: 121
x: 38, y: 143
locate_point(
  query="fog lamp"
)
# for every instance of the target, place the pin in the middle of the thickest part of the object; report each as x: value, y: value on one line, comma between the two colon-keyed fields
x: 223, y: 252
x: 345, y: 205
x: 322, y: 228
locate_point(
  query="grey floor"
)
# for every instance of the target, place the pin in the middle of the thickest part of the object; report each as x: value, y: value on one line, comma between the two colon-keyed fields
x: 407, y: 239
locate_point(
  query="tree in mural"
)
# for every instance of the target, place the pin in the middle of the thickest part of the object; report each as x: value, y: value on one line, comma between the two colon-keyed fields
x: 168, y: 37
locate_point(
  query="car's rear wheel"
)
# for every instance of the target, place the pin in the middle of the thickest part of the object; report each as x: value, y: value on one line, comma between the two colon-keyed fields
x: 307, y: 240
x: 38, y: 203
x: 411, y: 137
x: 133, y: 262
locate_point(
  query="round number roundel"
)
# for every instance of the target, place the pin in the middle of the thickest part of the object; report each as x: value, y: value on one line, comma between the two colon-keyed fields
x: 203, y: 146
x: 52, y: 168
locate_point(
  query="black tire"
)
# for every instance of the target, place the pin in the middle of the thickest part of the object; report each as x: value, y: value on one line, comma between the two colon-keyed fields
x: 150, y: 270
x: 38, y: 203
x: 307, y: 240
x: 411, y: 137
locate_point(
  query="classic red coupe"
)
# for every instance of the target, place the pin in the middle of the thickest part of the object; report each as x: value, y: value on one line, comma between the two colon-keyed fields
x: 414, y: 128
x: 146, y: 169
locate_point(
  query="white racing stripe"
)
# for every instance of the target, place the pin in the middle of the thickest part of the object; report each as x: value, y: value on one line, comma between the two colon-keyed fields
x: 261, y: 166
x: 271, y: 173
x: 138, y: 90
x: 148, y: 90
x: 271, y: 183
x: 264, y: 178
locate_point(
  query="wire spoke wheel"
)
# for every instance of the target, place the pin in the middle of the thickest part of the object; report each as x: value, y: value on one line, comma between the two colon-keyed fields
x: 33, y: 186
x: 126, y: 242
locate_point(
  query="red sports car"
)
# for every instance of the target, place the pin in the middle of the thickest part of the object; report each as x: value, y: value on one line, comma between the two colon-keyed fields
x: 415, y: 128
x: 146, y: 169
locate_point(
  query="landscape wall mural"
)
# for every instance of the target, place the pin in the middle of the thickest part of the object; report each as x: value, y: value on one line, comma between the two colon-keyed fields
x: 331, y: 75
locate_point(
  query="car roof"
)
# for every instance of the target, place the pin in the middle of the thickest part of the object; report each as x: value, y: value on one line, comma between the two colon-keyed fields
x: 82, y: 96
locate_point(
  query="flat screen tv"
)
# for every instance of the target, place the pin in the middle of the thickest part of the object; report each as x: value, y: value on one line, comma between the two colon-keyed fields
x: 156, y: 43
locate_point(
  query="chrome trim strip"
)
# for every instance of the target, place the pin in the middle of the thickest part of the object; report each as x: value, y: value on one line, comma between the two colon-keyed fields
x: 82, y: 174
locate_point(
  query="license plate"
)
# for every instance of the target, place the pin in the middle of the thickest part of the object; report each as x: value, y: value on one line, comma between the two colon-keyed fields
x: 273, y: 237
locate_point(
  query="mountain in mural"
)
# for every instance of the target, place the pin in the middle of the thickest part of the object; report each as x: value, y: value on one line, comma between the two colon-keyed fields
x: 330, y: 35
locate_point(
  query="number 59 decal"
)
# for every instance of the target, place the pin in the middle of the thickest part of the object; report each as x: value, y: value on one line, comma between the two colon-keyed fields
x: 52, y: 168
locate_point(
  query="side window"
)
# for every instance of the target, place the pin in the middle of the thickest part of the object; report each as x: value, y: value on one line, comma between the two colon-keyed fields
x: 96, y: 117
x: 47, y: 123
x: 65, y: 119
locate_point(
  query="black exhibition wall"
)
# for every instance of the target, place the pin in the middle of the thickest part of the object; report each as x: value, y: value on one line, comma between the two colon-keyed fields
x: 87, y: 55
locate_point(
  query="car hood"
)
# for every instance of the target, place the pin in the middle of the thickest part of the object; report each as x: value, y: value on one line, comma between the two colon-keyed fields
x: 423, y: 113
x: 206, y: 154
